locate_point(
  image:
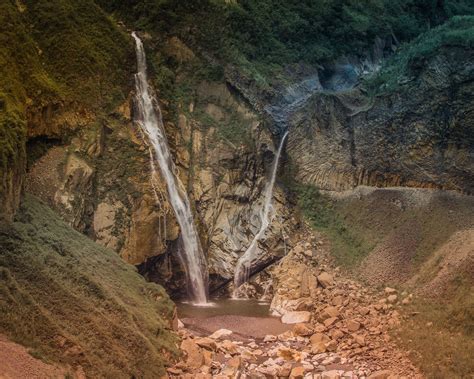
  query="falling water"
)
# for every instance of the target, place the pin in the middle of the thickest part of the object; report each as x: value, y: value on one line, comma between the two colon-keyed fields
x: 242, y: 269
x: 150, y: 122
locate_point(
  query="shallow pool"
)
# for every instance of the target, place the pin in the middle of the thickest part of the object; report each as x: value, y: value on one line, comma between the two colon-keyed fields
x: 222, y: 307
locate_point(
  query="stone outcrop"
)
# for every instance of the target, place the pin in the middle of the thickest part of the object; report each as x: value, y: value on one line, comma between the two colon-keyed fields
x: 419, y: 136
x: 101, y: 184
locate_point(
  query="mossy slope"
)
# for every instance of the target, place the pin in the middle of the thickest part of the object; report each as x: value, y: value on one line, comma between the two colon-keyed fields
x: 58, y: 52
x: 76, y: 303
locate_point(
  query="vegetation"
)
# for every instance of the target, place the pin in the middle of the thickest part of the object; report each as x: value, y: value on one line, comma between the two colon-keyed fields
x: 348, y: 247
x: 54, y: 53
x: 74, y: 302
x: 458, y: 31
x: 264, y: 35
x: 439, y: 333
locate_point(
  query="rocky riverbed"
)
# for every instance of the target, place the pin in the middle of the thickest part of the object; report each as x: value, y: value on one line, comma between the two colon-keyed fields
x: 324, y: 325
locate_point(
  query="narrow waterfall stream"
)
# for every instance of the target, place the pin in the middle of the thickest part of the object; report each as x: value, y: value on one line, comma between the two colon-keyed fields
x: 150, y: 122
x: 244, y: 264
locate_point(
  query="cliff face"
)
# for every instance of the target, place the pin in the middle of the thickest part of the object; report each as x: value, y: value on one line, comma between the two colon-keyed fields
x: 60, y: 68
x: 101, y: 181
x: 420, y: 136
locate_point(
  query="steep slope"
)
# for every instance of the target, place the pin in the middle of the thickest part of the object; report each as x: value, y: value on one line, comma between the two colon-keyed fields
x: 61, y: 63
x: 415, y: 131
x: 78, y: 304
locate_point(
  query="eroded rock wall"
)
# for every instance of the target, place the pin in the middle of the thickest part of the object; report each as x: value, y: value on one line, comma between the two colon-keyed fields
x: 101, y: 183
x: 419, y: 136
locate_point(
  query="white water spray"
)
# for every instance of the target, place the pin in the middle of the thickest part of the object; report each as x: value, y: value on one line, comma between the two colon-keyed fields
x: 244, y: 264
x: 150, y: 122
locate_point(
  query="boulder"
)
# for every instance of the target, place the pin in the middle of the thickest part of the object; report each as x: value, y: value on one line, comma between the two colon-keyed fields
x: 353, y: 326
x: 296, y: 317
x: 218, y: 334
x: 297, y: 372
x: 319, y: 337
x: 302, y: 330
x: 194, y: 355
x: 383, y: 374
x: 392, y: 299
x: 325, y: 279
x: 206, y: 343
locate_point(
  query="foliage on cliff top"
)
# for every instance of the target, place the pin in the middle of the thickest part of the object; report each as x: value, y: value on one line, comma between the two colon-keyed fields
x: 458, y: 32
x: 264, y: 34
x: 76, y: 303
x: 54, y: 52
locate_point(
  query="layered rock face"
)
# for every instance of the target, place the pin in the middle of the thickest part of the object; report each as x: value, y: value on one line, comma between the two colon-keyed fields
x: 420, y: 135
x: 226, y: 178
x: 102, y: 185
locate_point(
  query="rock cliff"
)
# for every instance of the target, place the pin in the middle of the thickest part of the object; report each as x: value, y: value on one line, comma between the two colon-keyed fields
x: 101, y: 183
x: 418, y: 136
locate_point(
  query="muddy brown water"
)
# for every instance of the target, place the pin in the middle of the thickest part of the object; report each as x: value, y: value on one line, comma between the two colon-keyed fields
x: 246, y: 318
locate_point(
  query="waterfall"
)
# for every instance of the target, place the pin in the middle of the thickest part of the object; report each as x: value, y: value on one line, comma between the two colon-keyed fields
x: 244, y: 264
x: 151, y: 124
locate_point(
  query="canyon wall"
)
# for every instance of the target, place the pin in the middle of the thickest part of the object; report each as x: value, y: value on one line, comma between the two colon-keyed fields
x: 101, y: 183
x: 419, y: 136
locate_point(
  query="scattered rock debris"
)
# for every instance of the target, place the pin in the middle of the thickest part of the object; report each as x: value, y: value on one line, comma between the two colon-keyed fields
x: 339, y: 329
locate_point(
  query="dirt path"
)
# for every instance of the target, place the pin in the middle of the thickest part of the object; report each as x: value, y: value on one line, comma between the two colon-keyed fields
x: 17, y: 363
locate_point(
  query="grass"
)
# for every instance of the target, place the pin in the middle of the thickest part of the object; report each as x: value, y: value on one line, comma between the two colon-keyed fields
x: 440, y: 336
x: 411, y: 57
x: 54, y: 54
x: 348, y: 247
x: 74, y: 302
x: 438, y: 332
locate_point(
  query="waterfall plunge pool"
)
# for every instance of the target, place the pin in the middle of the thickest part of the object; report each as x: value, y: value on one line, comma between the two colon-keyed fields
x: 225, y: 306
x: 247, y: 318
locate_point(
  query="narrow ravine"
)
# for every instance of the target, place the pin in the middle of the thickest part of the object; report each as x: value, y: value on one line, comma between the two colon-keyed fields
x: 244, y: 265
x: 151, y: 124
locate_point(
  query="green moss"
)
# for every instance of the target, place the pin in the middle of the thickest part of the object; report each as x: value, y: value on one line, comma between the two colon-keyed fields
x: 54, y: 53
x: 439, y: 334
x: 348, y: 247
x: 59, y: 291
x: 403, y: 66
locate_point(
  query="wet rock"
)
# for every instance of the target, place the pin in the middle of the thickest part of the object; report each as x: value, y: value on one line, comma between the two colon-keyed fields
x: 220, y: 333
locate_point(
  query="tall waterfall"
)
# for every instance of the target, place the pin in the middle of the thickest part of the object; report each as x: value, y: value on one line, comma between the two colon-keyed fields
x: 244, y: 264
x: 150, y: 122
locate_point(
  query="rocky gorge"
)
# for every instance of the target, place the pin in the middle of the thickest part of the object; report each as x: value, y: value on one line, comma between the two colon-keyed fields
x: 371, y: 213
